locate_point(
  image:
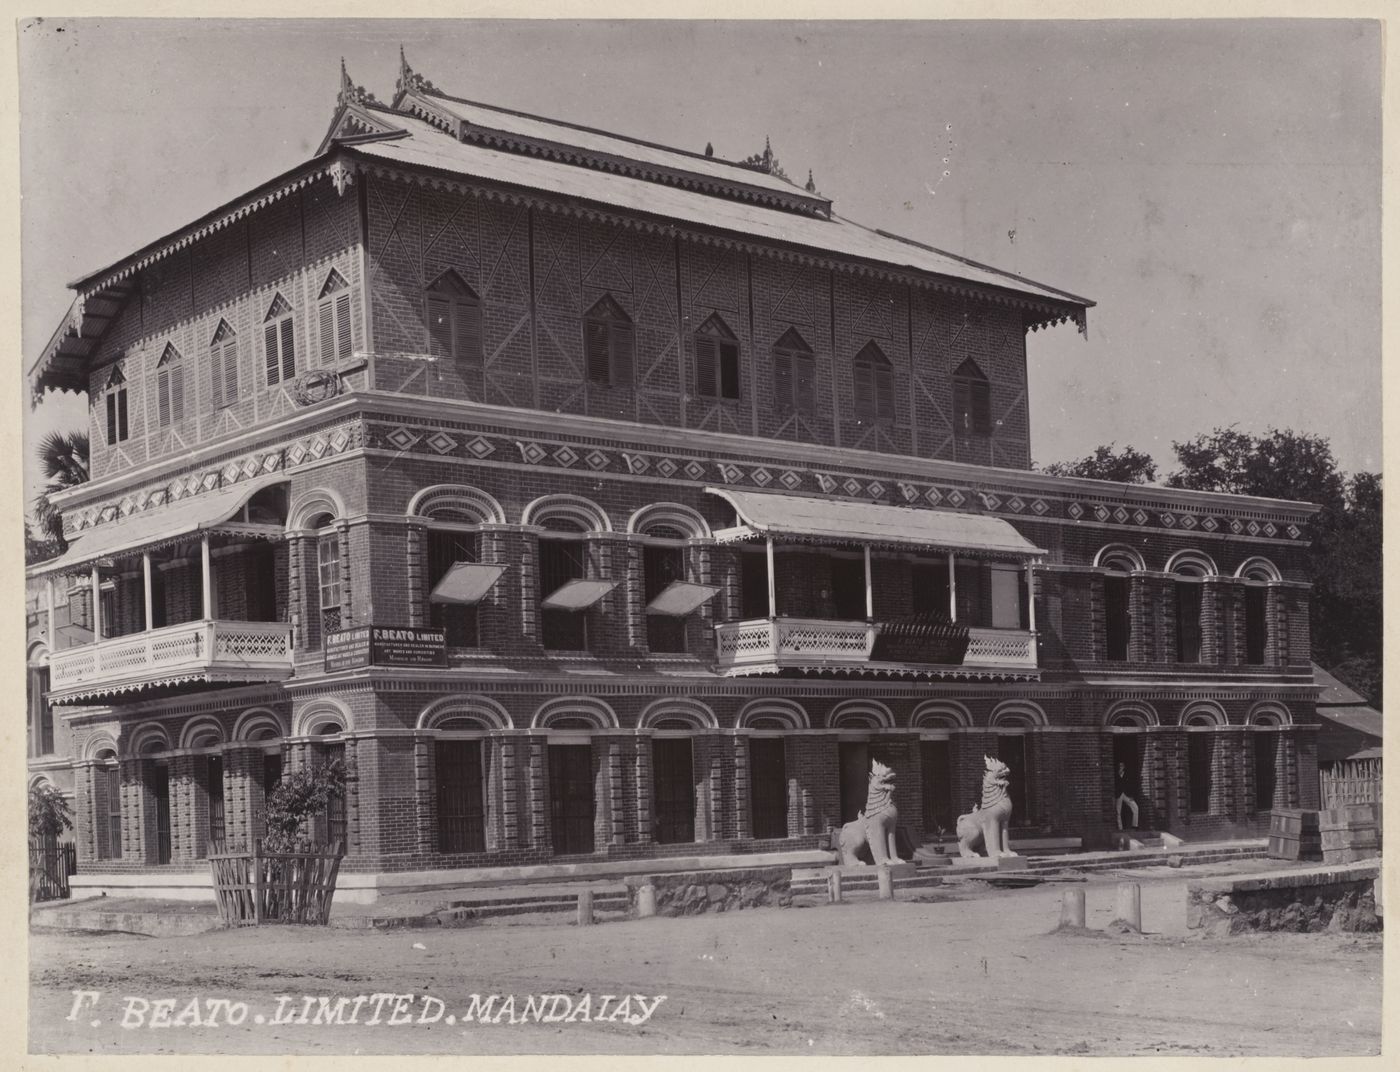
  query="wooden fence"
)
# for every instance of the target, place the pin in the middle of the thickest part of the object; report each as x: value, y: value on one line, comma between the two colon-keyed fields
x: 50, y: 865
x: 1351, y: 781
x: 259, y: 887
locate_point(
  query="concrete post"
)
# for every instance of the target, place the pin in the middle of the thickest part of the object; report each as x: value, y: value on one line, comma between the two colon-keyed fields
x: 833, y: 884
x: 1072, y: 909
x: 585, y: 908
x: 646, y: 901
x: 1129, y: 905
x: 886, y: 884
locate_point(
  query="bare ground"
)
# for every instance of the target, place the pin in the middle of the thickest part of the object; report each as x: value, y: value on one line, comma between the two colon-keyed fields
x: 957, y: 975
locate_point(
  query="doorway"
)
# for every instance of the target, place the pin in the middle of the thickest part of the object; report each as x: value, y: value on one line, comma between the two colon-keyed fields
x: 571, y: 798
x: 855, y: 777
x: 768, y: 790
x: 1011, y: 750
x: 673, y: 774
x: 160, y: 792
x: 1127, y: 750
x: 937, y: 770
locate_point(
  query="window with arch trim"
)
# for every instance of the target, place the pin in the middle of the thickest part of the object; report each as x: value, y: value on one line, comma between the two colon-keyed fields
x: 972, y: 400
x: 874, y: 385
x: 794, y: 374
x: 223, y: 366
x: 716, y: 360
x: 279, y: 342
x: 117, y: 428
x: 170, y: 387
x: 109, y: 806
x: 333, y: 319
x: 608, y: 343
x: 454, y: 319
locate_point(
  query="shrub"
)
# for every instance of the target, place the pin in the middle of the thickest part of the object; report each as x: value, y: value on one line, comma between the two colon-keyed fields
x: 298, y: 799
x: 49, y: 813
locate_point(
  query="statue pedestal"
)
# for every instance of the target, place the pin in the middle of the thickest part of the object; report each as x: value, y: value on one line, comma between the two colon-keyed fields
x: 1012, y: 863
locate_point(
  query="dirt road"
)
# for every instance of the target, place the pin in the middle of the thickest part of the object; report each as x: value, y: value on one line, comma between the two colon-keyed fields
x: 957, y: 976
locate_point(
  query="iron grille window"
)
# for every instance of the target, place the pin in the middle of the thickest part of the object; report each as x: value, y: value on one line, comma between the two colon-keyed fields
x: 112, y: 781
x: 716, y: 360
x: 214, y: 791
x: 335, y: 810
x: 328, y: 573
x: 117, y: 427
x: 1265, y: 770
x: 874, y: 385
x: 562, y: 561
x: 271, y: 777
x: 673, y: 777
x: 223, y: 366
x: 768, y: 787
x: 1118, y: 623
x: 660, y: 566
x: 461, y: 803
x: 1256, y: 628
x: 446, y: 549
x: 454, y: 320
x: 41, y: 711
x: 972, y: 400
x: 1200, y: 754
x: 794, y: 375
x: 279, y: 342
x: 160, y: 793
x: 571, y: 797
x: 170, y: 388
x: 1188, y: 622
x: 608, y: 344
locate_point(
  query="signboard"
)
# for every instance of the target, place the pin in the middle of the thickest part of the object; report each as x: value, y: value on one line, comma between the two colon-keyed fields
x: 385, y: 645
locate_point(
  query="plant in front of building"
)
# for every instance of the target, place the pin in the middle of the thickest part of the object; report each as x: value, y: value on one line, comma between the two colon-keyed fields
x: 50, y: 815
x: 296, y: 803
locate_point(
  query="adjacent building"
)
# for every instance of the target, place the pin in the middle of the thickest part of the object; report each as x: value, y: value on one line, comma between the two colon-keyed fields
x: 595, y: 500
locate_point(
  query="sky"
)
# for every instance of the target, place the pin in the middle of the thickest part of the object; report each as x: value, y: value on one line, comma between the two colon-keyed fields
x: 1215, y: 187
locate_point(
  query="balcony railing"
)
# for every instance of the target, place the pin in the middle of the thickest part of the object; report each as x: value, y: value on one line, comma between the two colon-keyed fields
x: 211, y: 651
x: 766, y: 645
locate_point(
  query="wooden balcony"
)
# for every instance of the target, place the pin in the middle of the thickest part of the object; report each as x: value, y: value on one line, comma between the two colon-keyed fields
x: 768, y: 645
x: 204, y: 651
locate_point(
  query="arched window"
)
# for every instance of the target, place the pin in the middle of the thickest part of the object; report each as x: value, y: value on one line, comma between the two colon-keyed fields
x: 333, y: 318
x: 794, y: 374
x: 170, y: 387
x: 972, y: 400
x: 608, y: 344
x: 223, y: 366
x: 454, y: 319
x: 563, y: 553
x: 1116, y: 561
x: 716, y: 360
x: 108, y: 790
x: 327, y: 577
x: 1190, y: 568
x: 117, y: 430
x: 279, y: 342
x: 874, y: 385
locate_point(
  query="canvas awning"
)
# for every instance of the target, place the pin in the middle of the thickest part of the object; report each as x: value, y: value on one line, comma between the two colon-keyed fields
x: 838, y: 521
x: 680, y: 598
x: 577, y: 595
x: 173, y: 523
x: 465, y: 584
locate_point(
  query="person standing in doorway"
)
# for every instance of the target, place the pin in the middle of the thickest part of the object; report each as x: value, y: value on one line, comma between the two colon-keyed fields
x: 1125, y: 791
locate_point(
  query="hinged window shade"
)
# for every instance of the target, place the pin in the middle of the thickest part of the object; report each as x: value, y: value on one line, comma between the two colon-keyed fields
x: 794, y: 374
x: 454, y: 319
x: 972, y: 400
x: 223, y: 366
x: 716, y: 360
x: 466, y: 583
x: 874, y: 385
x: 279, y: 342
x: 577, y: 594
x: 170, y: 388
x: 608, y: 344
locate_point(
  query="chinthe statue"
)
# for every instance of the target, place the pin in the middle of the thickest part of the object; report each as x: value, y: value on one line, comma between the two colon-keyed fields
x: 875, y: 825
x: 989, y: 825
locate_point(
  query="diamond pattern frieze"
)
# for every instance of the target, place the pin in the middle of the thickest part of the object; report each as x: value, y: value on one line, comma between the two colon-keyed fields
x: 956, y: 497
x: 1188, y: 521
x: 731, y: 474
x: 1236, y: 526
x: 694, y: 470
x: 1252, y: 528
x: 1294, y: 531
x: 480, y: 448
x: 532, y: 452
x: 566, y: 456
x: 934, y: 496
x: 1075, y: 511
x: 667, y: 468
x: 296, y: 453
x: 875, y: 489
x: 401, y: 439
x: 790, y: 480
x: 1120, y: 515
x: 762, y: 477
x: 1101, y: 512
x: 1209, y: 524
x: 1016, y: 504
x: 1140, y: 516
x: 1040, y: 507
x: 597, y: 460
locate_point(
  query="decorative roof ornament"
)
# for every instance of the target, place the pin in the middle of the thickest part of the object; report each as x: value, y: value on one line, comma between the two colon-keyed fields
x: 811, y: 186
x: 709, y: 148
x: 351, y: 93
x: 410, y: 81
x: 766, y: 161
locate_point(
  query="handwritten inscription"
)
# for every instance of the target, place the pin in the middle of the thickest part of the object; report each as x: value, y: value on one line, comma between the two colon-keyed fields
x: 369, y: 1010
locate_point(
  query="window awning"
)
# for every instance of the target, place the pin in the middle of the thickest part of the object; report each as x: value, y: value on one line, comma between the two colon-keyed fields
x: 466, y: 583
x: 577, y: 595
x: 838, y: 521
x: 163, y: 525
x: 680, y: 598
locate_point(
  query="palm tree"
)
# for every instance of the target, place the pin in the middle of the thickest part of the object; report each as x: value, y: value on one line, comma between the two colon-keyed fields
x: 63, y: 457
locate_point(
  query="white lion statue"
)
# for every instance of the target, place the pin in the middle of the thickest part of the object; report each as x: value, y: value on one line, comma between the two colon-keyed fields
x: 875, y: 825
x: 989, y: 825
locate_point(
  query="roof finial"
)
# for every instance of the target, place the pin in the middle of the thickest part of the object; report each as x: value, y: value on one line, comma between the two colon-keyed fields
x: 351, y: 93
x: 765, y: 161
x: 410, y: 81
x: 709, y: 148
x: 811, y: 186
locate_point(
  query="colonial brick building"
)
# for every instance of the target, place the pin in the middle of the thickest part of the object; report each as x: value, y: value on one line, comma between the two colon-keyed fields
x: 596, y: 500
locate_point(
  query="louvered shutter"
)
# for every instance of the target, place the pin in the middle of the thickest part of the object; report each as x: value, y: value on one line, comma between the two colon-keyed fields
x: 342, y: 326
x: 111, y: 417
x: 804, y: 383
x: 865, y: 391
x: 622, y: 355
x: 783, y: 396
x: 122, y: 431
x: 466, y: 326
x: 230, y: 350
x: 163, y: 397
x: 729, y: 369
x: 439, y: 326
x: 326, y: 317
x: 962, y: 406
x: 270, y: 353
x: 706, y: 358
x: 595, y: 345
x: 289, y: 359
x: 884, y: 393
x: 216, y: 375
x: 177, y: 393
x: 981, y: 407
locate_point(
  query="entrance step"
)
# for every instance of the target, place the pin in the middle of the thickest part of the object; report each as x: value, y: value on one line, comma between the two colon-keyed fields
x: 809, y: 885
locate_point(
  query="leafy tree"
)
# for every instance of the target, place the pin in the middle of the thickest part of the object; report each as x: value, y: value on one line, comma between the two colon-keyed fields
x: 49, y: 813
x: 1126, y: 466
x: 63, y: 459
x: 298, y: 799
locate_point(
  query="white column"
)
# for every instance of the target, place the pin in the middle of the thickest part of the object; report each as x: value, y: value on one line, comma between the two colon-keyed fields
x: 869, y: 591
x: 1030, y: 594
x: 48, y: 607
x: 207, y: 577
x: 772, y: 589
x: 96, y: 605
x: 146, y: 583
x: 952, y: 588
